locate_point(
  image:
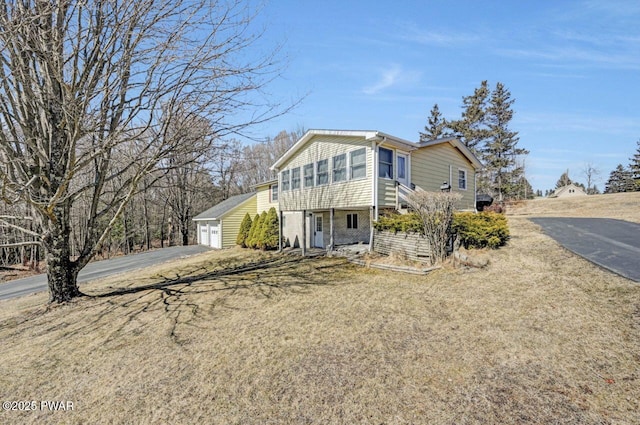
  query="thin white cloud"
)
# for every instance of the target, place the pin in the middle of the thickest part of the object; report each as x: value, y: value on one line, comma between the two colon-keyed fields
x: 413, y: 33
x: 389, y: 77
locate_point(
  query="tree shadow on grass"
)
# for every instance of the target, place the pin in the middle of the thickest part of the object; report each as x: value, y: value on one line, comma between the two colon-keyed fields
x: 191, y: 297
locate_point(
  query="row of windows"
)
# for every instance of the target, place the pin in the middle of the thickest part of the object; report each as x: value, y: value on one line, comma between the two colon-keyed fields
x: 352, y: 166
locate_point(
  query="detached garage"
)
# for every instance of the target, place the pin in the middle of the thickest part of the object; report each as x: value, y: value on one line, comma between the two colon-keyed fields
x: 218, y: 226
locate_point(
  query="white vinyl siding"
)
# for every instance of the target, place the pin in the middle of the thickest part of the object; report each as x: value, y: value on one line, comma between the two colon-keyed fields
x: 265, y: 195
x: 347, y: 193
x: 430, y: 167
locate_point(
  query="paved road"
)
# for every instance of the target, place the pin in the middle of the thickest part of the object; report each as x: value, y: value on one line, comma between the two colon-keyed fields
x: 100, y: 269
x: 612, y: 244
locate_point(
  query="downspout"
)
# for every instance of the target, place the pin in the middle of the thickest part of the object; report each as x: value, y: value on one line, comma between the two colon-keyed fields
x: 373, y: 215
x: 475, y: 190
x: 375, y: 144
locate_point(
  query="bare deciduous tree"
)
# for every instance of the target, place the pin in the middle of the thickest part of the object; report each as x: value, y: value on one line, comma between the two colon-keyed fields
x: 87, y: 91
x: 590, y: 173
x: 436, y: 212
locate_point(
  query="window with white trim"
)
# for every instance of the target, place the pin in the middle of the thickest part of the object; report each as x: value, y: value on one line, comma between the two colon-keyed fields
x: 402, y: 167
x: 385, y: 163
x: 274, y: 192
x: 284, y: 179
x: 462, y: 179
x: 322, y: 172
x: 295, y: 178
x: 358, y: 164
x: 352, y: 221
x: 308, y: 175
x: 339, y: 168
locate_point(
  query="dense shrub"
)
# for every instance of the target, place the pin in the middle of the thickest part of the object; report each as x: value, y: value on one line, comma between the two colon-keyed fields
x: 479, y: 230
x: 395, y: 222
x: 270, y: 232
x: 245, y: 228
x: 251, y: 241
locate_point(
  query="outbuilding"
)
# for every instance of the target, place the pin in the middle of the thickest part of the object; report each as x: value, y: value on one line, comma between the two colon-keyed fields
x: 218, y: 226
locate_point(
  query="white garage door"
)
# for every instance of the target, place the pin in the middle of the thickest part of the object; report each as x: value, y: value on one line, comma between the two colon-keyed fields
x: 204, y: 234
x: 214, y: 236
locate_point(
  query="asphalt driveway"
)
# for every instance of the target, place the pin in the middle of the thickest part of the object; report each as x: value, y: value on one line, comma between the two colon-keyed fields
x: 612, y: 244
x: 100, y: 269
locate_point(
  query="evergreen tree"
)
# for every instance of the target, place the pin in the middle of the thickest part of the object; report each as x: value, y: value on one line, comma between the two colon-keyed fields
x: 270, y: 231
x: 245, y: 228
x: 634, y: 168
x: 437, y: 126
x: 620, y: 180
x: 472, y: 129
x: 501, y: 151
x: 251, y: 239
x: 564, y: 180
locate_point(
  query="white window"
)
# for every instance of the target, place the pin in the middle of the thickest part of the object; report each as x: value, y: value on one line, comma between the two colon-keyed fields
x: 340, y: 168
x: 295, y: 178
x: 462, y: 179
x: 358, y: 168
x: 308, y: 175
x: 286, y: 183
x: 322, y: 175
x: 352, y: 221
x: 385, y: 163
x: 274, y: 192
x: 402, y: 167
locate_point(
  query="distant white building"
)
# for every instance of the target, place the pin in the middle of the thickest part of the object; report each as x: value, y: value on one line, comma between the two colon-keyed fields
x: 568, y: 191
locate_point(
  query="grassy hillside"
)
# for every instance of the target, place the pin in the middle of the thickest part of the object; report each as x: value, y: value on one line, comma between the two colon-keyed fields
x: 624, y: 206
x: 235, y: 337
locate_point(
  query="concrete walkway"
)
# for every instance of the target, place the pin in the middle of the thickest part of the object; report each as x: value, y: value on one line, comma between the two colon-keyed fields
x: 612, y: 244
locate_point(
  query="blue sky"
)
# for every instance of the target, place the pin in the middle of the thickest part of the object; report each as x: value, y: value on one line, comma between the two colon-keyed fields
x: 573, y: 68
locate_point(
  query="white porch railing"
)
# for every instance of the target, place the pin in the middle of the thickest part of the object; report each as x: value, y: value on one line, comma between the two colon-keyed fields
x: 402, y: 195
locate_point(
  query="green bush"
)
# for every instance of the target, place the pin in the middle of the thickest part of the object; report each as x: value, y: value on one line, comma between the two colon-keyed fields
x: 408, y: 223
x: 269, y: 234
x: 251, y: 241
x: 479, y: 230
x: 245, y: 228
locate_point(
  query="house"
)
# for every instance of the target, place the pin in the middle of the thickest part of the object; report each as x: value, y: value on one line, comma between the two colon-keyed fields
x: 332, y: 184
x: 218, y: 226
x: 567, y: 191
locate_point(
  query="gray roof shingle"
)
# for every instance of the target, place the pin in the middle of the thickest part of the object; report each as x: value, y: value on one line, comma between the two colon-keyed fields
x: 223, y: 207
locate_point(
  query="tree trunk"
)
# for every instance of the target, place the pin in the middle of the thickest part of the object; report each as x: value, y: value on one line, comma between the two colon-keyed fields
x: 62, y: 273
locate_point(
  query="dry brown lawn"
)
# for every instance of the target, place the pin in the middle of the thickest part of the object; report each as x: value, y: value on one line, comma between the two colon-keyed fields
x: 539, y: 336
x: 623, y: 206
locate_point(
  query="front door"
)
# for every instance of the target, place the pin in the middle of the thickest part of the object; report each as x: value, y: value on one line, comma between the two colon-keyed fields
x: 403, y: 169
x: 318, y: 236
